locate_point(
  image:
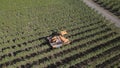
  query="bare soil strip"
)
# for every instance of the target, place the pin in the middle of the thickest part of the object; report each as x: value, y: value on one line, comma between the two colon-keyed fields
x: 105, y: 13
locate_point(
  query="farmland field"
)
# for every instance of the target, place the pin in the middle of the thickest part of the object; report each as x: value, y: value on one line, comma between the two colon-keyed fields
x: 111, y: 5
x: 24, y: 25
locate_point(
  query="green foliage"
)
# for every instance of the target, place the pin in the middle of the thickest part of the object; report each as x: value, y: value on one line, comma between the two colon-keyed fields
x: 112, y: 5
x: 24, y: 26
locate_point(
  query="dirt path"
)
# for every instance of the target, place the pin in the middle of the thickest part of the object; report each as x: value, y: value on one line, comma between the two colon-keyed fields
x: 108, y: 15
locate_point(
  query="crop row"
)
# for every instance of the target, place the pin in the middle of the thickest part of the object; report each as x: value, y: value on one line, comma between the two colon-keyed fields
x: 38, y: 34
x: 20, y: 38
x: 38, y: 9
x: 80, y: 18
x: 86, y: 36
x: 69, y: 24
x: 110, y: 62
x: 81, y: 36
x: 39, y: 45
x: 65, y: 49
x: 80, y: 56
x: 112, y: 5
x: 103, y: 57
x: 23, y: 35
x: 81, y: 32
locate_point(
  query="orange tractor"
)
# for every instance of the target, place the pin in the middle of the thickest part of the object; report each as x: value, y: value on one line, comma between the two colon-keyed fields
x: 57, y: 40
